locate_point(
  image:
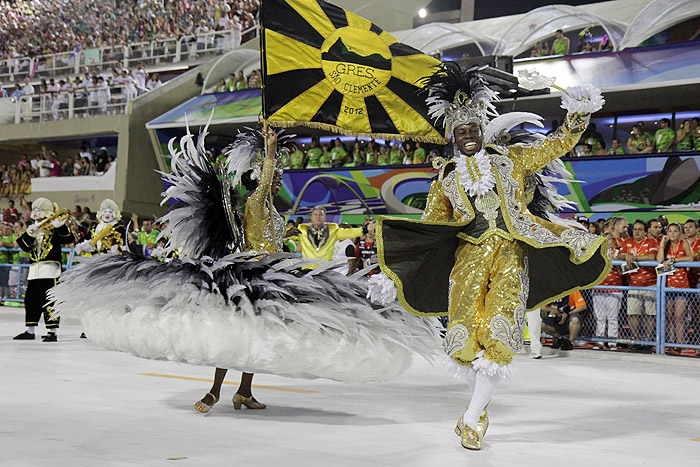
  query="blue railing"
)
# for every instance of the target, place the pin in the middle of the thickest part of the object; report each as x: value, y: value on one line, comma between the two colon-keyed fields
x: 21, y: 280
x: 691, y: 313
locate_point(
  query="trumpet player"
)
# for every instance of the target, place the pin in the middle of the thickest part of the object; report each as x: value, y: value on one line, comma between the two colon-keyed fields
x: 43, y: 241
x: 108, y: 236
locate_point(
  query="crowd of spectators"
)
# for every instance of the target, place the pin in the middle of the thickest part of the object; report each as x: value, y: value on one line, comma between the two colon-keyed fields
x: 40, y: 27
x: 642, y: 141
x: 16, y: 179
x: 653, y: 240
x: 561, y: 45
x: 360, y: 153
x: 239, y: 81
x: 93, y: 92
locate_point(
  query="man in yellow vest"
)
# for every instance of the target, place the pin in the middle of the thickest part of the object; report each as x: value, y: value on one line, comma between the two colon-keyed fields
x: 318, y: 238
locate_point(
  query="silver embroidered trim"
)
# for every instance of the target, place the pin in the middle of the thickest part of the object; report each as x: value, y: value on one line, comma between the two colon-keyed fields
x: 488, y: 205
x: 579, y: 240
x: 456, y: 339
x: 459, y: 205
x: 513, y: 336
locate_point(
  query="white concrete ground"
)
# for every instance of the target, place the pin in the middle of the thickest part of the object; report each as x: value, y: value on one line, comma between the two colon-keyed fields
x: 72, y: 404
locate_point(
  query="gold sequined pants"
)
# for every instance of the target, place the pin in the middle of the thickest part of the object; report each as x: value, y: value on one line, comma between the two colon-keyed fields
x: 487, y: 281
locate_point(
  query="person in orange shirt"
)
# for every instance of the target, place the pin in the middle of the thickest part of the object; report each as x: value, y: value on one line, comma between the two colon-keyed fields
x: 641, y: 304
x: 691, y: 234
x: 564, y: 318
x: 606, y: 302
x: 619, y: 230
x: 674, y: 248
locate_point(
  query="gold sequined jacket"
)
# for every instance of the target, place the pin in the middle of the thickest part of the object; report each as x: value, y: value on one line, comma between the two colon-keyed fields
x: 448, y: 202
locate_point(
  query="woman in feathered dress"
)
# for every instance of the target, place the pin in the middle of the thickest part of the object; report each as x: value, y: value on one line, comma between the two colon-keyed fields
x: 256, y: 310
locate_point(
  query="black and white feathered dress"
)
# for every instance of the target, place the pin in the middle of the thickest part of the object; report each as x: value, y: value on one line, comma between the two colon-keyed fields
x: 259, y: 313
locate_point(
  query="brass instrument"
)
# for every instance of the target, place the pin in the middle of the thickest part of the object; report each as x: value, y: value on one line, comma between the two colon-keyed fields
x: 47, y: 225
x: 107, y: 231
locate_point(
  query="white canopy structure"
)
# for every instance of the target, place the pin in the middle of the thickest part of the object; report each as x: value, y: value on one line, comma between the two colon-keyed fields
x: 656, y: 17
x: 540, y: 23
x: 435, y: 37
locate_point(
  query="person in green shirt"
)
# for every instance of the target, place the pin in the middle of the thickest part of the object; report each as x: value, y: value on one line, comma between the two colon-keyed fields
x: 326, y: 158
x: 7, y: 241
x: 338, y: 153
x: 349, y: 161
x: 695, y: 130
x: 231, y: 82
x: 664, y: 136
x: 395, y: 156
x: 684, y: 136
x: 419, y: 154
x: 383, y: 157
x: 561, y: 44
x: 616, y: 149
x: 297, y: 159
x: 357, y: 155
x: 285, y: 160
x: 314, y: 155
x: 638, y: 143
x: 644, y: 131
x: 592, y: 137
x: 407, y: 151
x: 148, y: 235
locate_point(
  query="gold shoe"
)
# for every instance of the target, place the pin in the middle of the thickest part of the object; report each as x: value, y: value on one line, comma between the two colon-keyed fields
x: 249, y: 402
x: 482, y: 425
x: 471, y: 439
x: 204, y: 408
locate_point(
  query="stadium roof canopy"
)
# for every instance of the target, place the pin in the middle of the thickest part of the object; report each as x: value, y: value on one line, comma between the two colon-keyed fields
x: 540, y: 23
x: 515, y: 34
x: 656, y: 17
x: 434, y: 37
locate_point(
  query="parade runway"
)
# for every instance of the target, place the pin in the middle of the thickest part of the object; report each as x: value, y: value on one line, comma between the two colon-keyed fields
x: 72, y: 404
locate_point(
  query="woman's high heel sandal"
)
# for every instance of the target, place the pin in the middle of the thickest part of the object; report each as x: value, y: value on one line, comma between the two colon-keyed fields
x: 204, y: 408
x: 249, y: 402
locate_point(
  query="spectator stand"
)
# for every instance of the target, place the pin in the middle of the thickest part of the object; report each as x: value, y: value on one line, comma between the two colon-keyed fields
x: 70, y: 104
x: 156, y: 54
x: 12, y: 288
x: 659, y: 342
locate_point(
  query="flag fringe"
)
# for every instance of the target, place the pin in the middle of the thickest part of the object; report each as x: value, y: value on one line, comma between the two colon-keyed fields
x: 346, y: 132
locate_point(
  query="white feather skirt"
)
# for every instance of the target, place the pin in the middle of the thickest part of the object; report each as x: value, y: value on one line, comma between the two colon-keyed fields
x: 255, y: 315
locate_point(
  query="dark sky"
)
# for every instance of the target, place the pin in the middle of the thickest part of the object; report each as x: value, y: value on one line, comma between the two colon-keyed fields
x: 491, y: 8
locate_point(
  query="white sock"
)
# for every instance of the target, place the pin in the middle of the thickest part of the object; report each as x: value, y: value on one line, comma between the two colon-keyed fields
x: 30, y: 329
x: 53, y: 331
x: 484, y: 386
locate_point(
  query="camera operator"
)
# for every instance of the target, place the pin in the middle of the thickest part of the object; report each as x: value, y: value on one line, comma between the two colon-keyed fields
x: 564, y: 318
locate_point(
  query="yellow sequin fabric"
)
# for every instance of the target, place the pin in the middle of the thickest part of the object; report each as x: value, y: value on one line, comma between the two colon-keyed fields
x: 262, y: 224
x: 485, y: 285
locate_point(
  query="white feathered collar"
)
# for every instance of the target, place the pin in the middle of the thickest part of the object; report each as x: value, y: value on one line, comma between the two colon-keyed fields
x: 480, y: 166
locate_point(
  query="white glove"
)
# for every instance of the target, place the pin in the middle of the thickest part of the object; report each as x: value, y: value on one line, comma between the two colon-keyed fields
x: 114, y: 249
x: 58, y: 222
x: 582, y: 100
x: 33, y: 231
x: 84, y: 247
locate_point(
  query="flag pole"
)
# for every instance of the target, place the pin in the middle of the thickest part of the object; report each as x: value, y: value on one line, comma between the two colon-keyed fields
x: 263, y: 67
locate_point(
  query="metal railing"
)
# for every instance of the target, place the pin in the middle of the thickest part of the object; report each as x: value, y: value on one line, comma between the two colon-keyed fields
x: 83, y: 102
x: 13, y: 276
x: 674, y: 324
x: 192, y: 48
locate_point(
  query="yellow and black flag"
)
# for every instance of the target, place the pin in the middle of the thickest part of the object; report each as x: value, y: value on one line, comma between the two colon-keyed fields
x: 325, y: 67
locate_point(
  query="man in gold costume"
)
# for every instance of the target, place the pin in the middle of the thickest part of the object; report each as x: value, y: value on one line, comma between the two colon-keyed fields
x: 479, y: 254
